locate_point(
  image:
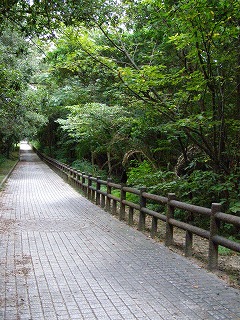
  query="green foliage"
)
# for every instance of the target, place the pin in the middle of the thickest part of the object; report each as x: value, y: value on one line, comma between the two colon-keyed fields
x: 189, y: 188
x: 41, y: 18
x: 139, y: 174
x: 88, y: 168
x: 19, y: 117
x: 225, y: 251
x: 2, y: 159
x: 235, y: 207
x: 98, y: 129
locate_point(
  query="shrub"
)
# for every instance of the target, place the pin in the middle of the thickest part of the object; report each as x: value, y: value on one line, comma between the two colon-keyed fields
x: 87, y: 167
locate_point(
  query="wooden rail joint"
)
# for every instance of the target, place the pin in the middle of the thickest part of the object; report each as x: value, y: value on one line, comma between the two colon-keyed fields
x: 214, y: 229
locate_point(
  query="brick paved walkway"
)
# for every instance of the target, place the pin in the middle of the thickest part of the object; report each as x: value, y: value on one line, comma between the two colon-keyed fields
x: 62, y: 257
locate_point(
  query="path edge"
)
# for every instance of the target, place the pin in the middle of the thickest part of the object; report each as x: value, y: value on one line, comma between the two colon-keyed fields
x: 8, y: 175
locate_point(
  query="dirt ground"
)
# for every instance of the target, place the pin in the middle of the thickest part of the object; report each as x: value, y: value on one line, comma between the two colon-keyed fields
x: 228, y: 261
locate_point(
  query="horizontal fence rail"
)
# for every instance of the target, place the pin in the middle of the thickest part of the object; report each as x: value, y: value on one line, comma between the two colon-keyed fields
x: 115, y: 198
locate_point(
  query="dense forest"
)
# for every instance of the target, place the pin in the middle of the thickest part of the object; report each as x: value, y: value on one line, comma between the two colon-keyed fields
x: 144, y: 91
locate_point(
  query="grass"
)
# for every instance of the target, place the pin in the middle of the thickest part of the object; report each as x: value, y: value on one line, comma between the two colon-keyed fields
x: 7, y: 164
x: 228, y: 252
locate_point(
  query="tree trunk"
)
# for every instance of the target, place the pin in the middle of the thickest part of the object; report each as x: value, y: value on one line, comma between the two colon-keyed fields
x: 109, y: 162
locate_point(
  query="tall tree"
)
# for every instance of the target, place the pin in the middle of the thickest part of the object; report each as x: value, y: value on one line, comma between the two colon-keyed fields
x: 179, y: 58
x: 18, y: 117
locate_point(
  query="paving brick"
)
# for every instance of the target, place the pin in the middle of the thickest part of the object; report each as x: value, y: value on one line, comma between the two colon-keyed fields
x: 62, y: 257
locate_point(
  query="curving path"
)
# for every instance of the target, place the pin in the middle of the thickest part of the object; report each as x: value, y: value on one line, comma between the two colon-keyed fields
x: 62, y: 257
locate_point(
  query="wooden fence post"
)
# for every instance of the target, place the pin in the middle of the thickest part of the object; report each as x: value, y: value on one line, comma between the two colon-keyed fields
x: 68, y: 174
x: 83, y: 183
x: 170, y: 214
x: 102, y: 201
x: 109, y: 191
x: 75, y: 178
x: 79, y: 178
x: 89, y: 191
x: 122, y: 205
x: 142, y: 215
x: 189, y: 237
x: 114, y: 207
x: 154, y: 227
x: 98, y: 187
x: 213, y: 247
x: 130, y: 216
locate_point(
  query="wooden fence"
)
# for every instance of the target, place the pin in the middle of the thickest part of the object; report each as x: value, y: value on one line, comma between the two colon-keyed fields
x: 113, y: 197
